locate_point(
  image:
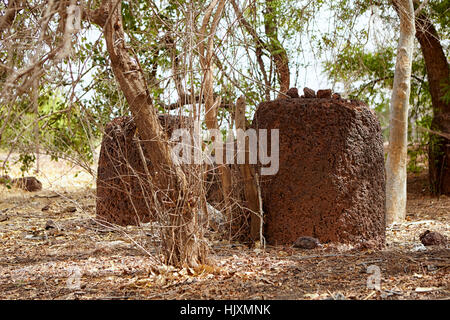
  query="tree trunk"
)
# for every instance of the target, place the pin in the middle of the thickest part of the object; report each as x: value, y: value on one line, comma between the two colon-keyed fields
x: 182, y: 243
x: 398, y: 122
x: 211, y: 106
x: 276, y: 49
x: 438, y: 74
x: 250, y: 186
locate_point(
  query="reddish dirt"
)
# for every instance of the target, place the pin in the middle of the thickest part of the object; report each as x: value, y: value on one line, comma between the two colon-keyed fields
x: 330, y: 184
x: 80, y: 259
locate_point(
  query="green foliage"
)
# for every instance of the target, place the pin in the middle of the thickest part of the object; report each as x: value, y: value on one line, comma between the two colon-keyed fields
x: 156, y: 31
x: 354, y: 62
x: 446, y: 89
x: 414, y: 158
x: 66, y: 128
x: 366, y: 70
x: 418, y: 150
x: 26, y: 161
x: 64, y: 131
x: 439, y: 10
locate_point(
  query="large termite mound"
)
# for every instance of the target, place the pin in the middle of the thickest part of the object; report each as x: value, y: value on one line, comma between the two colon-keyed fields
x: 331, y: 183
x: 123, y: 193
x: 124, y: 196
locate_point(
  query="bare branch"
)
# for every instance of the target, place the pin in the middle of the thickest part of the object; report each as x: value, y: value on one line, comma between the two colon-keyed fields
x: 14, y: 6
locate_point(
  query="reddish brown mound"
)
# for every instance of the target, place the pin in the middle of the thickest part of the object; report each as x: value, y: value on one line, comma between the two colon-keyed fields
x: 330, y: 184
x: 30, y: 184
x: 432, y: 238
x: 123, y: 196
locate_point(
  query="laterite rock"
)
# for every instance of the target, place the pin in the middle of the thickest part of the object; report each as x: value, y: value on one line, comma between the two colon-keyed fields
x: 331, y: 182
x: 123, y: 193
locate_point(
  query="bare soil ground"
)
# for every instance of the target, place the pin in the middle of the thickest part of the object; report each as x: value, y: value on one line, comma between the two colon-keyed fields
x: 51, y: 248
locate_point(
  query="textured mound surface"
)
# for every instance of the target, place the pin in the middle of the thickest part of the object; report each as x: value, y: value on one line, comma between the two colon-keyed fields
x: 331, y: 183
x: 122, y: 192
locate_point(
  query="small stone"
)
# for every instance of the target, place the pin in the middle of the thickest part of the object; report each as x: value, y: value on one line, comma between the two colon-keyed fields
x: 337, y: 296
x: 50, y: 225
x: 336, y: 96
x: 293, y: 93
x: 432, y: 238
x: 418, y: 248
x: 368, y: 245
x: 306, y: 243
x: 70, y: 209
x: 324, y: 94
x: 34, y: 236
x: 309, y: 93
x: 45, y: 208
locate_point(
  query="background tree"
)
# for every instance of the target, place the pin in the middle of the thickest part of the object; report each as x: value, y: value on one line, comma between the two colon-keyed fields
x: 398, y: 123
x: 361, y: 62
x: 438, y: 74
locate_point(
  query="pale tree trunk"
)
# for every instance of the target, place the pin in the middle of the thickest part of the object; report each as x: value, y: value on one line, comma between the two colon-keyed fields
x: 182, y: 242
x: 398, y: 122
x: 35, y: 96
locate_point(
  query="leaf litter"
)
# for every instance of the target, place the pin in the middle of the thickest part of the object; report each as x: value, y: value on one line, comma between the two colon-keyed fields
x: 52, y: 248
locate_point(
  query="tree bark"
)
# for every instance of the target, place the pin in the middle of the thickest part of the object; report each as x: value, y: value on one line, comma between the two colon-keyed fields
x: 206, y: 54
x: 438, y: 74
x: 277, y: 50
x: 14, y: 6
x: 250, y: 187
x: 398, y: 122
x: 182, y: 243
